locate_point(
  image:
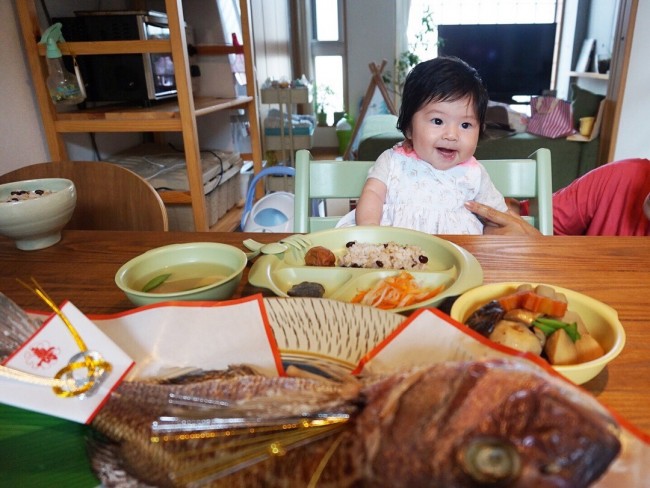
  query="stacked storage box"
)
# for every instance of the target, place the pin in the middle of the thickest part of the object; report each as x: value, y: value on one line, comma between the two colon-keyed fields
x: 165, y: 169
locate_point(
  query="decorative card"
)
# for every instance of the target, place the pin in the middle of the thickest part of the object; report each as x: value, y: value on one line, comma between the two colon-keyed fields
x: 164, y: 337
x: 428, y: 336
x: 53, y: 350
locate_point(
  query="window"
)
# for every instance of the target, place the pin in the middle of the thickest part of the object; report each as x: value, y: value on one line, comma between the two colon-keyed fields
x: 327, y: 55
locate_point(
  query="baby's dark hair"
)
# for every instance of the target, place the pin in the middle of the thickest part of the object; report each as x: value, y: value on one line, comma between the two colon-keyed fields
x: 442, y: 79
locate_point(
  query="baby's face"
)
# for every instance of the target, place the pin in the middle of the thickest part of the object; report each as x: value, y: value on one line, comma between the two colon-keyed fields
x: 445, y: 133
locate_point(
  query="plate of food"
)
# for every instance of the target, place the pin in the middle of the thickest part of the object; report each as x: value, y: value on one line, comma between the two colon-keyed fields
x: 385, y: 267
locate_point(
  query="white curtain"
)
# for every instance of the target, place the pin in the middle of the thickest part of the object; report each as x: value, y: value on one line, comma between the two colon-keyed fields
x: 230, y: 17
x: 402, y: 10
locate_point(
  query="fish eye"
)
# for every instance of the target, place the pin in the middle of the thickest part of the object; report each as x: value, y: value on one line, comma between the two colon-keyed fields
x: 490, y: 460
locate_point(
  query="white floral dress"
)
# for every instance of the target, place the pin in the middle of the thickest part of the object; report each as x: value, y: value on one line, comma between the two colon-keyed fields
x: 423, y: 198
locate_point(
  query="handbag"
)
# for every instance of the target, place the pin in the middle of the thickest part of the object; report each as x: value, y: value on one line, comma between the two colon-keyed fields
x: 550, y: 117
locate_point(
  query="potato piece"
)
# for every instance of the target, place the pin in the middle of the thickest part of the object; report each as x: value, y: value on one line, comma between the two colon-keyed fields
x: 560, y: 349
x: 561, y: 297
x: 540, y: 336
x: 588, y: 348
x: 521, y: 315
x: 545, y: 291
x: 517, y: 336
x: 570, y: 317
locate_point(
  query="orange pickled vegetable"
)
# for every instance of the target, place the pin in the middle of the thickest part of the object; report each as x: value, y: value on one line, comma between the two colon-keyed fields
x: 396, y: 291
x: 529, y: 300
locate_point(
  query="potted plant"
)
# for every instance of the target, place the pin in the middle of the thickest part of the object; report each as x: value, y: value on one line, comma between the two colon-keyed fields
x: 408, y: 59
x: 322, y: 103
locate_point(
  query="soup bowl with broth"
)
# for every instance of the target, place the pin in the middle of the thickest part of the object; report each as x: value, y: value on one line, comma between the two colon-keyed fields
x: 187, y: 272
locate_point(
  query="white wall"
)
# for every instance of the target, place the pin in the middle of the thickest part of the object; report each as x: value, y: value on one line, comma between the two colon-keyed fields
x: 22, y: 140
x: 633, y: 139
x: 374, y: 21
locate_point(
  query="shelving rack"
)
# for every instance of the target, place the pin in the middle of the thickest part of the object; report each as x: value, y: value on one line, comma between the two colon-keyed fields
x: 286, y: 140
x: 178, y: 116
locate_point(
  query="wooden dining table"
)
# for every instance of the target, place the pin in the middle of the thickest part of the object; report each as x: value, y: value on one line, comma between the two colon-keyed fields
x: 615, y: 270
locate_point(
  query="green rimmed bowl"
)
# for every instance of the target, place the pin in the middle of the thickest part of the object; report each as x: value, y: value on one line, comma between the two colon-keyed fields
x: 211, y: 271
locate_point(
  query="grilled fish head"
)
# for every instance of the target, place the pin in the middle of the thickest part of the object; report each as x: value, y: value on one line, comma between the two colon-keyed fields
x: 485, y: 424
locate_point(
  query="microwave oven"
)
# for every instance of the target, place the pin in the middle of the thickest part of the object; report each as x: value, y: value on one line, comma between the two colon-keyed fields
x: 137, y: 78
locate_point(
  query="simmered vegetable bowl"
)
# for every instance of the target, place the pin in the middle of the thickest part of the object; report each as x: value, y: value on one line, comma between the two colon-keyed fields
x: 537, y: 320
x: 600, y: 320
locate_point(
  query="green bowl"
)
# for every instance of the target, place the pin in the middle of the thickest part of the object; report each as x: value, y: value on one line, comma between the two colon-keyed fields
x: 36, y: 223
x: 206, y: 270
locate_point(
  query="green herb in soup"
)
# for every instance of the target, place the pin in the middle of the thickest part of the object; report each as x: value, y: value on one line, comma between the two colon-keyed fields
x: 155, y: 282
x: 183, y: 277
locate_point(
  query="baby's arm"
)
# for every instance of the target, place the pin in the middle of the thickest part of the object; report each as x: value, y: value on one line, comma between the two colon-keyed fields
x: 371, y: 202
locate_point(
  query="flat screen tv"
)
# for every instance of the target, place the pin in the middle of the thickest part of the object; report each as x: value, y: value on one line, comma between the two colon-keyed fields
x: 512, y: 59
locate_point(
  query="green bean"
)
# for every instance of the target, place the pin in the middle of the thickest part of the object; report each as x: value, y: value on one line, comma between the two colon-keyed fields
x: 155, y: 282
x: 548, y: 326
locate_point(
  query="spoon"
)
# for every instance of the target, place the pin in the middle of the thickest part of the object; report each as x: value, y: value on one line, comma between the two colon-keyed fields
x: 272, y: 248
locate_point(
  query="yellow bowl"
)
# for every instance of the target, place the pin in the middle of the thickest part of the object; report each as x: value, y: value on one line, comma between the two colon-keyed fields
x: 219, y: 266
x: 600, y: 319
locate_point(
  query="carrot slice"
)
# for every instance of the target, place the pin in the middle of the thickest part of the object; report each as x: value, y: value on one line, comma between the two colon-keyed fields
x: 396, y: 291
x: 534, y: 302
x: 514, y: 300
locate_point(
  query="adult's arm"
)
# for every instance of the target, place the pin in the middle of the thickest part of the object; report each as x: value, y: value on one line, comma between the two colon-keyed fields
x: 501, y: 223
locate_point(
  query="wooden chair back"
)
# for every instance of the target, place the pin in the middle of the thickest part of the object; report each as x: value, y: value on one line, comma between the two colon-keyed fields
x: 318, y: 180
x: 109, y: 196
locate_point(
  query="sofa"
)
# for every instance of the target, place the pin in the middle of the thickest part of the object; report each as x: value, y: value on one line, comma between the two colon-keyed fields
x: 569, y: 159
x: 503, y: 139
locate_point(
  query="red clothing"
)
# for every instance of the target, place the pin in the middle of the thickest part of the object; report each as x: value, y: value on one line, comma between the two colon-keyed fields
x: 607, y: 201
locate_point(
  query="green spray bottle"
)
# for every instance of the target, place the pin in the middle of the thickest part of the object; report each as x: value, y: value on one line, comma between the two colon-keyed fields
x: 64, y: 87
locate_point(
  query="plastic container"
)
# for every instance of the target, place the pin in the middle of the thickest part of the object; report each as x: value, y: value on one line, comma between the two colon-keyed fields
x: 343, y: 133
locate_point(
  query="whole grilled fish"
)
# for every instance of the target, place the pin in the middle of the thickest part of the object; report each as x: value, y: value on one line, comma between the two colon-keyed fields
x: 463, y: 424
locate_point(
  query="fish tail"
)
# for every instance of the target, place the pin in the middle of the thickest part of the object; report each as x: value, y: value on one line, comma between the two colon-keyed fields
x: 16, y: 327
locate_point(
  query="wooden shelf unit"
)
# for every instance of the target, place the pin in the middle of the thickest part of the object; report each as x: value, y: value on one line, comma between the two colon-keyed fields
x: 178, y: 116
x: 589, y: 74
x: 286, y: 141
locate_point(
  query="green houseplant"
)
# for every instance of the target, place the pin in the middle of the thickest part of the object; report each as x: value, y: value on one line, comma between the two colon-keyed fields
x: 322, y: 103
x: 408, y: 59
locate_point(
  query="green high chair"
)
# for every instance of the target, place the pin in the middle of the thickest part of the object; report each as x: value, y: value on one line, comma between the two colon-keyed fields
x: 523, y: 179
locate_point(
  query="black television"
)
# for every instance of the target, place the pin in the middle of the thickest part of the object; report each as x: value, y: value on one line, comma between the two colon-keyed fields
x: 512, y: 59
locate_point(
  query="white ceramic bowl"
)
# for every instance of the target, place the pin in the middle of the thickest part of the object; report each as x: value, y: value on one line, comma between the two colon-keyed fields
x: 36, y: 223
x: 204, y: 260
x: 600, y: 319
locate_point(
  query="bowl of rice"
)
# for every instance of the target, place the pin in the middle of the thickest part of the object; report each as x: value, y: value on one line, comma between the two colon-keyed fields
x: 385, y: 267
x: 33, y: 212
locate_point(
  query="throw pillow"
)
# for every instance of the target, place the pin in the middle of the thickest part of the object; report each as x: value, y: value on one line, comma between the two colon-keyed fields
x: 584, y: 103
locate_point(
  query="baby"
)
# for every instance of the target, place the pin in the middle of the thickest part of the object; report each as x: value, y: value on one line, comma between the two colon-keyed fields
x: 423, y: 182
